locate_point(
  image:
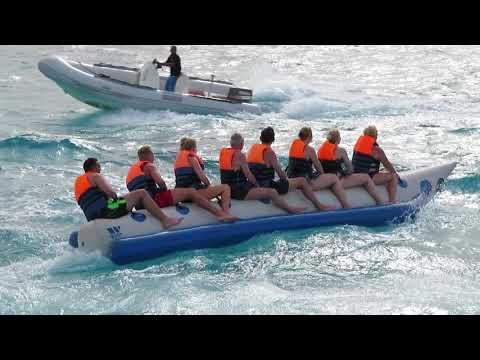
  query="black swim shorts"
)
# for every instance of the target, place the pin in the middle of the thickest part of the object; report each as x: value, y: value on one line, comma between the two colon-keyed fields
x: 240, y: 191
x: 281, y: 186
x: 116, y: 213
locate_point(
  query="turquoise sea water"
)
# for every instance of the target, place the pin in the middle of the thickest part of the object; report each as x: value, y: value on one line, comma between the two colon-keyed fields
x: 425, y: 101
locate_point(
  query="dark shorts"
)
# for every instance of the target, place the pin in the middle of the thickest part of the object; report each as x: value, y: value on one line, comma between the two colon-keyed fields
x: 309, y: 177
x: 107, y: 213
x: 372, y: 174
x: 164, y: 198
x: 314, y: 175
x: 240, y: 191
x: 281, y: 186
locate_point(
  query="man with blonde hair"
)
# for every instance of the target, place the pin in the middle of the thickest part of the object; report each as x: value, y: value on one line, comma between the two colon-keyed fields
x: 367, y: 156
x: 143, y: 174
x: 334, y: 160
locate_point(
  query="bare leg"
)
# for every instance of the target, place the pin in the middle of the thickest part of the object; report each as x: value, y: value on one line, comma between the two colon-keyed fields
x: 214, y: 191
x: 263, y: 193
x: 141, y: 196
x: 332, y: 181
x: 365, y: 181
x: 301, y: 183
x: 181, y: 194
x: 391, y: 181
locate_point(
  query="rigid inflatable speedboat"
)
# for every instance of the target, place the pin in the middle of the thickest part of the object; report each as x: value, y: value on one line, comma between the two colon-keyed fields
x: 139, y: 236
x: 112, y: 87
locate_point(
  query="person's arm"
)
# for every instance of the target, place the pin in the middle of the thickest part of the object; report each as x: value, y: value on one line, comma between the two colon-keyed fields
x: 342, y: 153
x: 166, y: 63
x: 198, y: 170
x: 151, y: 170
x: 271, y: 159
x: 103, y: 185
x: 242, y: 162
x: 169, y: 62
x: 310, y: 154
x: 380, y: 155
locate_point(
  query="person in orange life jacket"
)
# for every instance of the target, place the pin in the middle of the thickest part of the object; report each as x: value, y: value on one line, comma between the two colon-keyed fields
x: 302, y: 159
x: 263, y: 164
x: 189, y: 174
x: 367, y: 156
x: 92, y: 191
x: 145, y: 175
x: 334, y: 160
x: 235, y: 172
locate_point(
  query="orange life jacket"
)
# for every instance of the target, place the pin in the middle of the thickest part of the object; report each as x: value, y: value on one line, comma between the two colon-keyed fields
x: 185, y: 176
x: 89, y: 197
x: 362, y: 159
x: 257, y: 165
x: 136, y: 179
x: 297, y: 149
x: 256, y: 152
x: 298, y: 165
x: 327, y: 151
x: 364, y: 145
x: 227, y: 174
x: 327, y: 156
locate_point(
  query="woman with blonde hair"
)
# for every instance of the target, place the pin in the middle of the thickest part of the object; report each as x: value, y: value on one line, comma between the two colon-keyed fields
x: 334, y: 160
x: 189, y: 174
x: 366, y: 159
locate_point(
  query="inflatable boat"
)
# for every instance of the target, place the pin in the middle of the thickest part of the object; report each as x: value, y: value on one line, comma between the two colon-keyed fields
x: 109, y: 86
x: 139, y: 236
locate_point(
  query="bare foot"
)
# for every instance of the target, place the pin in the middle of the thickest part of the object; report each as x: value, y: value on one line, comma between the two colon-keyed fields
x: 169, y: 222
x: 297, y: 210
x: 228, y: 218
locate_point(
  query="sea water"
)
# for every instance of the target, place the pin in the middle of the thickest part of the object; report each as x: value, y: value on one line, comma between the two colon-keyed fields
x: 424, y: 100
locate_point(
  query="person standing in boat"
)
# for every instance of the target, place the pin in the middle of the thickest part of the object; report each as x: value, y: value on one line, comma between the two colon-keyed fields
x: 302, y: 159
x: 189, y: 174
x: 143, y: 174
x: 98, y: 200
x: 174, y: 62
x: 367, y: 156
x: 334, y: 160
x: 234, y: 172
x: 263, y: 164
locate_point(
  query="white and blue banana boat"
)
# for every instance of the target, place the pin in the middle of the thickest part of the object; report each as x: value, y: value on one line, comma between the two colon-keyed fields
x: 109, y: 86
x: 139, y: 236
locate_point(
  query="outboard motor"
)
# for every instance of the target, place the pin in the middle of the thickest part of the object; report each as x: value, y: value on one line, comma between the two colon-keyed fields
x: 240, y: 95
x: 149, y: 76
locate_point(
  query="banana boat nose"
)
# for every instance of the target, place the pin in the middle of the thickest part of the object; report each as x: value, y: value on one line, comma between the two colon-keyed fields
x: 47, y: 66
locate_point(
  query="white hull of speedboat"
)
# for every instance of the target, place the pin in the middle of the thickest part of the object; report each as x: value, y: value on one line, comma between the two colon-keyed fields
x: 115, y: 87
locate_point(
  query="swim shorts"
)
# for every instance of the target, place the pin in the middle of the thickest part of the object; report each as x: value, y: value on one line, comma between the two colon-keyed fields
x: 240, y: 191
x: 118, y: 211
x: 281, y: 186
x: 164, y: 198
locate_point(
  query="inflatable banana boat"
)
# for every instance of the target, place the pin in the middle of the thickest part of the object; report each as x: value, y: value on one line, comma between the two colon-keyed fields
x: 139, y: 236
x: 109, y: 86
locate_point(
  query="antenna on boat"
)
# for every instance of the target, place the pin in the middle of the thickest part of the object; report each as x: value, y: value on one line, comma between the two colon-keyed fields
x: 212, y: 77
